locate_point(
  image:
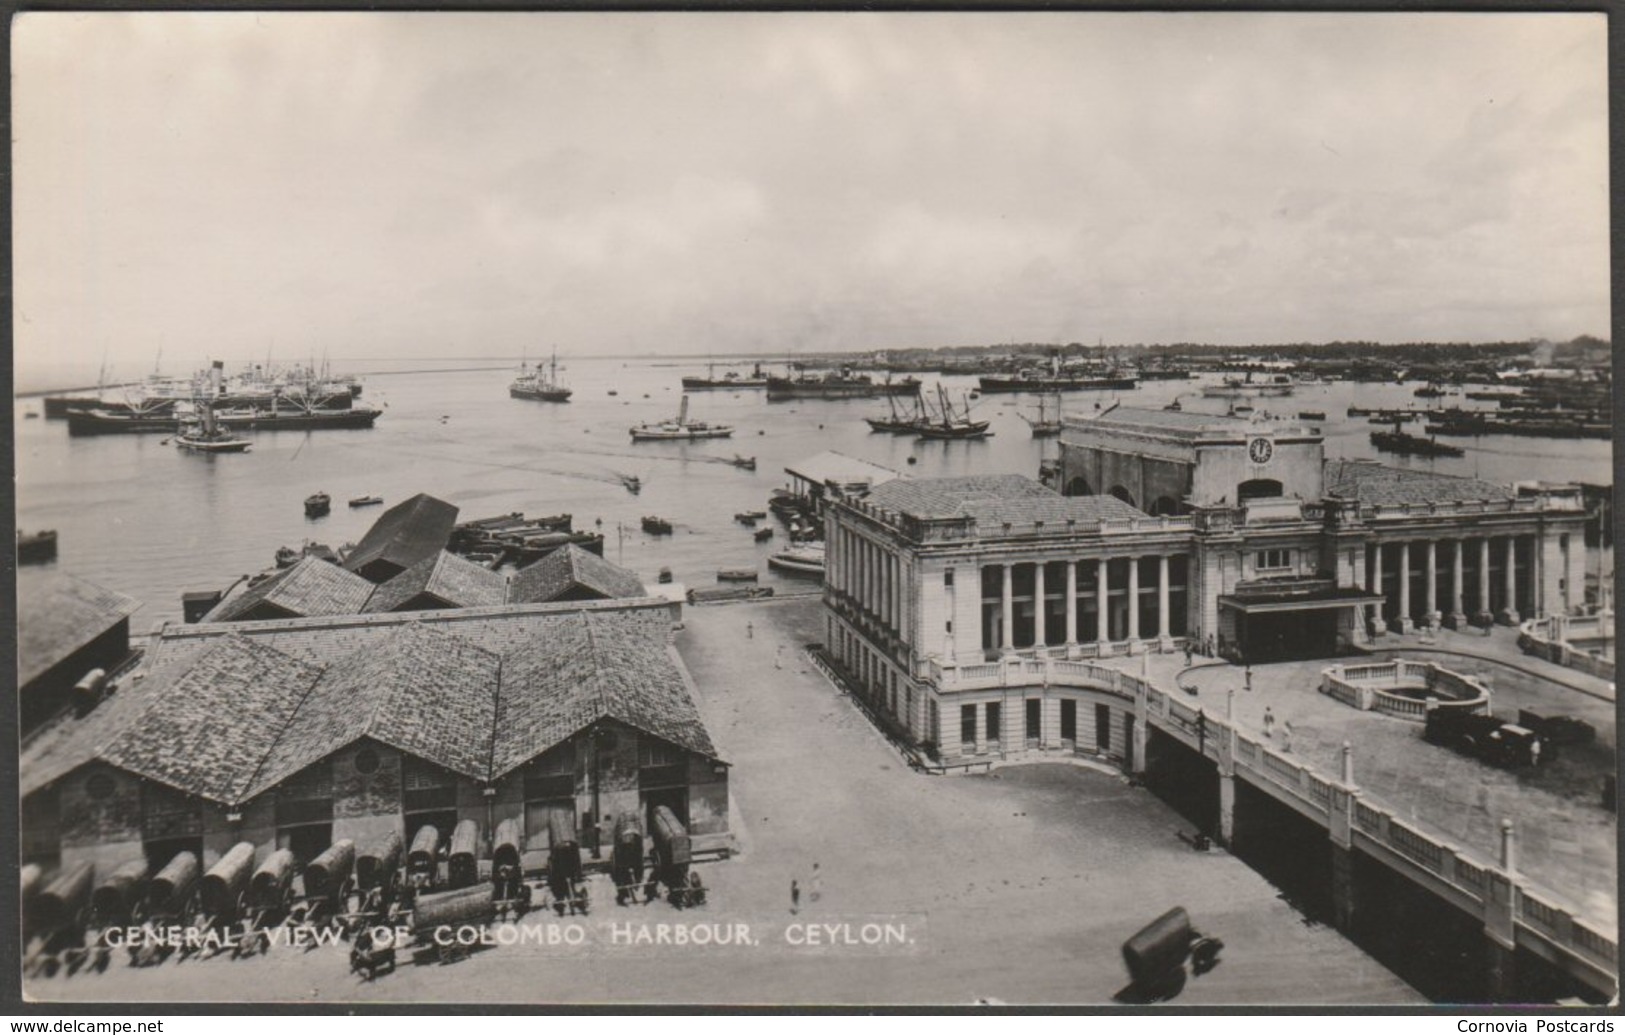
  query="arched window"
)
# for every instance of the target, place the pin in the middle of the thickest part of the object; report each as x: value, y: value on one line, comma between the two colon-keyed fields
x: 1079, y: 486
x: 1164, y: 505
x: 1258, y: 489
x: 1124, y: 495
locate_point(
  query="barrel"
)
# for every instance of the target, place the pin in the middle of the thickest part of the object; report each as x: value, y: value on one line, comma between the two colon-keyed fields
x: 462, y: 864
x: 376, y: 866
x: 169, y: 890
x: 65, y: 897
x: 464, y: 907
x: 1158, y: 949
x: 671, y: 837
x: 325, y: 875
x: 226, y: 879
x: 507, y: 845
x: 115, y: 896
x: 628, y: 840
x: 269, y: 885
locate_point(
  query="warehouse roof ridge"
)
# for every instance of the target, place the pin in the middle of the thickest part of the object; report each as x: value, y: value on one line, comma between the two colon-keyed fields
x: 58, y: 613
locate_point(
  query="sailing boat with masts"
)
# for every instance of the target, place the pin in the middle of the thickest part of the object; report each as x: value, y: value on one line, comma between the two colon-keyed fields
x: 900, y: 423
x: 1048, y: 423
x: 951, y: 423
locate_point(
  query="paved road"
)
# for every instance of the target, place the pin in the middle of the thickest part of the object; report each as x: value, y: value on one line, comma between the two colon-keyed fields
x: 1018, y: 886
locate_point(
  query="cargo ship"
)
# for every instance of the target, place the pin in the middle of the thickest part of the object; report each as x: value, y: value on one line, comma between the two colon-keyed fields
x: 1038, y: 381
x: 530, y: 384
x: 1411, y: 445
x: 731, y: 379
x: 837, y: 384
x: 105, y: 422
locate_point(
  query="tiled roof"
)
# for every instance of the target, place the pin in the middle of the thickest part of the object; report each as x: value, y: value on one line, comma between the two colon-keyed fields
x: 405, y: 533
x: 57, y: 614
x: 455, y: 580
x: 203, y: 730
x: 993, y: 499
x: 594, y: 666
x: 569, y: 566
x: 310, y: 587
x: 207, y: 731
x: 421, y: 690
x: 1376, y: 483
x: 229, y: 711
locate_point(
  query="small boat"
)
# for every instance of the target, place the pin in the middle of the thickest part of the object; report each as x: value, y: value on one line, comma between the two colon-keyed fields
x: 286, y: 557
x: 1311, y: 414
x: 1047, y: 424
x: 747, y: 463
x: 366, y: 501
x: 208, y: 437
x: 799, y: 560
x: 746, y: 518
x: 633, y: 483
x: 318, y: 504
x: 37, y: 547
x: 32, y: 415
x: 656, y: 525
x: 680, y: 429
x: 736, y: 575
x: 764, y: 534
x: 613, y: 392
x: 664, y: 578
x: 754, y: 515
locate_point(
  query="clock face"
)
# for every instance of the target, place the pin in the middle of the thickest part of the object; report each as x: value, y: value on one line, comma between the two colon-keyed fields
x: 1259, y: 450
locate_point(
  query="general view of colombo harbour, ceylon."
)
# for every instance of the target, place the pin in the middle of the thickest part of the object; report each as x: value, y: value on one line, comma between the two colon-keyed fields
x: 943, y: 627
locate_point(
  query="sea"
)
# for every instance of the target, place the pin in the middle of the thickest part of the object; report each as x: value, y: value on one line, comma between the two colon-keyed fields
x: 135, y: 514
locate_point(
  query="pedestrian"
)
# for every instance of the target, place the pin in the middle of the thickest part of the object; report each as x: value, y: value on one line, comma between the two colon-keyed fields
x: 1534, y: 753
x: 1269, y: 722
x: 750, y: 630
x: 795, y: 896
x: 1286, y: 737
x: 1187, y: 654
x: 817, y: 888
x: 778, y: 657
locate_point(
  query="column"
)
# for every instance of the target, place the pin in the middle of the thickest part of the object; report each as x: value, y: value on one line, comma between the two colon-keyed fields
x: 1133, y: 599
x: 1071, y: 603
x: 1458, y: 620
x: 1405, y: 623
x: 1038, y: 608
x: 1379, y: 624
x: 1102, y: 630
x: 1484, y: 617
x: 1008, y: 614
x: 1162, y: 601
x: 1227, y: 809
x: 1432, y: 595
x: 1509, y: 614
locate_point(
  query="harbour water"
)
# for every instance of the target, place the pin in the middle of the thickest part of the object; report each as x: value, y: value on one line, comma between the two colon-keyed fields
x: 137, y: 515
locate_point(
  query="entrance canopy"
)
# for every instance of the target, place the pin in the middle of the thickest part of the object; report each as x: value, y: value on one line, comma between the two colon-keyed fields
x: 1299, y: 602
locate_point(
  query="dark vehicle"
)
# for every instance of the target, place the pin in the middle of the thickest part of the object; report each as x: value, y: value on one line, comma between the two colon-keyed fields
x: 1557, y: 730
x: 169, y: 901
x: 462, y: 865
x: 372, y: 952
x: 267, y: 902
x: 669, y: 861
x: 372, y: 895
x: 1484, y: 737
x: 326, y: 880
x: 564, y: 876
x: 222, y: 895
x: 112, y: 904
x: 58, y: 922
x: 439, y: 921
x: 508, y: 888
x: 422, y: 865
x: 627, y: 860
x: 1156, y: 955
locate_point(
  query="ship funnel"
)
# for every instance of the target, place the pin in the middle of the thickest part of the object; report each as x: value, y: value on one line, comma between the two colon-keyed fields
x: 215, y: 374
x: 682, y: 412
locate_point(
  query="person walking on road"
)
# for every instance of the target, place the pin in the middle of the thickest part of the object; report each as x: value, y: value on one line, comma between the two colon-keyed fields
x: 778, y: 657
x: 817, y: 888
x: 750, y: 630
x: 795, y: 896
x: 1269, y: 722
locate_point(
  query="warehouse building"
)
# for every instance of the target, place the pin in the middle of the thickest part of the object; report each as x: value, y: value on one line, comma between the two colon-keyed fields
x: 1174, y: 528
x: 67, y: 628
x: 294, y: 733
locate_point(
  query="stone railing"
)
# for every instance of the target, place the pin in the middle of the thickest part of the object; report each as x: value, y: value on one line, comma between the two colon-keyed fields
x: 1367, y: 687
x: 1553, y: 639
x: 1331, y: 801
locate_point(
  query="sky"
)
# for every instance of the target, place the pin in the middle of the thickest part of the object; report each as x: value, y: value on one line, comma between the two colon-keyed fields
x: 357, y: 185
